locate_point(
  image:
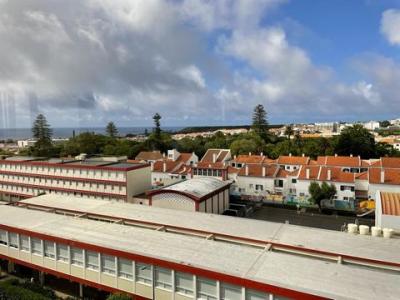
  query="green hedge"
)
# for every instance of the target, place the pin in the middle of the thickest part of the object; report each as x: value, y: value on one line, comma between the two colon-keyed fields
x: 12, y: 289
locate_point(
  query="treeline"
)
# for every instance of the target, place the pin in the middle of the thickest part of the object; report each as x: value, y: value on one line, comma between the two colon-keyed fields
x: 354, y: 140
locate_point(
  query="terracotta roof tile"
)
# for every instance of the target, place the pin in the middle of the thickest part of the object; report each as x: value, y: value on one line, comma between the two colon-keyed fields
x: 257, y: 170
x: 391, y: 176
x: 339, y: 161
x: 250, y: 159
x: 220, y: 155
x: 210, y: 165
x: 293, y: 160
x: 149, y: 155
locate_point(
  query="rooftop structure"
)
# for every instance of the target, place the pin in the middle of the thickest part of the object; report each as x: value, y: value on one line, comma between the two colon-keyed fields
x: 387, y: 212
x: 281, y: 259
x: 149, y: 156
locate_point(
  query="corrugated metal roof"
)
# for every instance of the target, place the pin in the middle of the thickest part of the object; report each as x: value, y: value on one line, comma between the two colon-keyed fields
x: 198, y: 187
x: 390, y: 203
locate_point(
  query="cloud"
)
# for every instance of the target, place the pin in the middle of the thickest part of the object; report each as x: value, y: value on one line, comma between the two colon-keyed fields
x: 194, y: 61
x: 390, y: 24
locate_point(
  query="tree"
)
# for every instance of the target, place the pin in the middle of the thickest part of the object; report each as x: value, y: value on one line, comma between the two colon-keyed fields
x: 321, y: 192
x: 384, y: 124
x: 111, y: 130
x: 356, y: 140
x: 157, y: 129
x: 260, y: 122
x: 42, y: 133
x: 289, y: 132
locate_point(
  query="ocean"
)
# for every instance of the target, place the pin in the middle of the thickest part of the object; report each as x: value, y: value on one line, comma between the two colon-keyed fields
x: 26, y: 133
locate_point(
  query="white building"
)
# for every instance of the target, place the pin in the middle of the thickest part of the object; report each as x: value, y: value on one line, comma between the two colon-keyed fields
x: 163, y: 254
x: 371, y: 125
x: 24, y: 177
x: 208, y: 195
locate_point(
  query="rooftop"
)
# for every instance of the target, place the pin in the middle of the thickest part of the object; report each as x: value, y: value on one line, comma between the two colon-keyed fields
x: 390, y: 203
x: 197, y: 187
x: 309, y: 274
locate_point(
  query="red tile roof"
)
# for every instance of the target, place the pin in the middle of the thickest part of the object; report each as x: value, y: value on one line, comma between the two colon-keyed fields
x: 169, y: 164
x: 210, y: 165
x: 250, y: 159
x: 257, y: 170
x: 293, y: 160
x: 390, y: 162
x: 391, y: 176
x: 149, y: 155
x: 390, y: 203
x: 339, y: 161
x: 320, y: 173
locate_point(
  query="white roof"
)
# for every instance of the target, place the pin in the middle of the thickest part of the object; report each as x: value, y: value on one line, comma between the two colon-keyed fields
x: 198, y: 187
x: 368, y: 247
x: 309, y: 275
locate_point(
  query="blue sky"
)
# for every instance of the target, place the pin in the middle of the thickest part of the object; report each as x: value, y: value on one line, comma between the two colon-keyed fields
x: 198, y: 62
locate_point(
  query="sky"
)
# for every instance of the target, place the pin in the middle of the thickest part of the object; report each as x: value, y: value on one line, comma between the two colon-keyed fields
x: 84, y: 63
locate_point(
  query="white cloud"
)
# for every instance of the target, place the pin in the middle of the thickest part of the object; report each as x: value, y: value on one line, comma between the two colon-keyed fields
x: 390, y: 26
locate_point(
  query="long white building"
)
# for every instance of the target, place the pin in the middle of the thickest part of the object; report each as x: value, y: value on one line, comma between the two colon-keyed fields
x: 183, y: 255
x: 24, y: 177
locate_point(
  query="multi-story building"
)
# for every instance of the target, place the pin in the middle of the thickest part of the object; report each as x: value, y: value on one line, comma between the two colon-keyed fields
x: 24, y: 177
x: 186, y: 255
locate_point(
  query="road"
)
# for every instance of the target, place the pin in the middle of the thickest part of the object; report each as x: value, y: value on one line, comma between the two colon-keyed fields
x: 281, y: 215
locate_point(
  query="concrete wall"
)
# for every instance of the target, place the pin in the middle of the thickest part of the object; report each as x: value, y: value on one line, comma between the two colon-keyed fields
x: 138, y: 181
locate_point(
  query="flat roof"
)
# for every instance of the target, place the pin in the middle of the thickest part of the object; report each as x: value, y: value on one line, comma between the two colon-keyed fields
x: 197, y: 187
x: 323, y: 278
x: 88, y: 163
x: 368, y: 247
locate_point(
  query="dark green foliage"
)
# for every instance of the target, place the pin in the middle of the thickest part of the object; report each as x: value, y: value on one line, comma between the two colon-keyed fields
x: 42, y: 133
x: 321, y: 192
x: 111, y: 130
x: 260, y: 122
x: 119, y: 297
x: 14, y: 290
x: 384, y: 124
x: 356, y: 140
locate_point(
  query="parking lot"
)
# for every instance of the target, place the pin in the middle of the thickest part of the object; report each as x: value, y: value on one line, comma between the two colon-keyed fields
x: 311, y: 219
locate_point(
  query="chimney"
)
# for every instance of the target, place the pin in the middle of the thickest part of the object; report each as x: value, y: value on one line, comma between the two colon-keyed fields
x: 303, y: 155
x: 329, y: 175
x: 246, y: 168
x: 152, y: 166
x: 382, y: 176
x: 290, y: 154
x: 262, y: 154
x: 249, y: 153
x: 164, y: 167
x: 214, y: 157
x: 308, y: 173
x: 351, y: 155
x: 335, y: 154
x: 234, y: 157
x: 263, y: 171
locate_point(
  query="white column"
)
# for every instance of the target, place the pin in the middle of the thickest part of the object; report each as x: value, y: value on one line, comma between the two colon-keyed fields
x: 195, y: 286
x: 243, y: 293
x: 218, y: 290
x: 173, y: 284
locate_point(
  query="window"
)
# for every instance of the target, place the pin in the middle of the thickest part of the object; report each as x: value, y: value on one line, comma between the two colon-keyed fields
x: 255, y: 295
x: 184, y: 283
x: 259, y: 187
x: 108, y: 264
x: 77, y: 257
x: 294, y: 180
x: 143, y: 273
x: 206, y: 289
x: 24, y: 242
x: 231, y: 292
x: 251, y: 186
x: 125, y: 269
x: 49, y: 249
x: 3, y: 237
x: 36, y: 246
x: 62, y: 253
x: 278, y: 183
x: 13, y: 239
x: 163, y: 278
x: 92, y: 260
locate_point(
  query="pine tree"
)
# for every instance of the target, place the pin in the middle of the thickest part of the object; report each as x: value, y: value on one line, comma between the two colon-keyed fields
x: 260, y: 123
x: 111, y: 130
x: 157, y: 129
x: 42, y: 133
